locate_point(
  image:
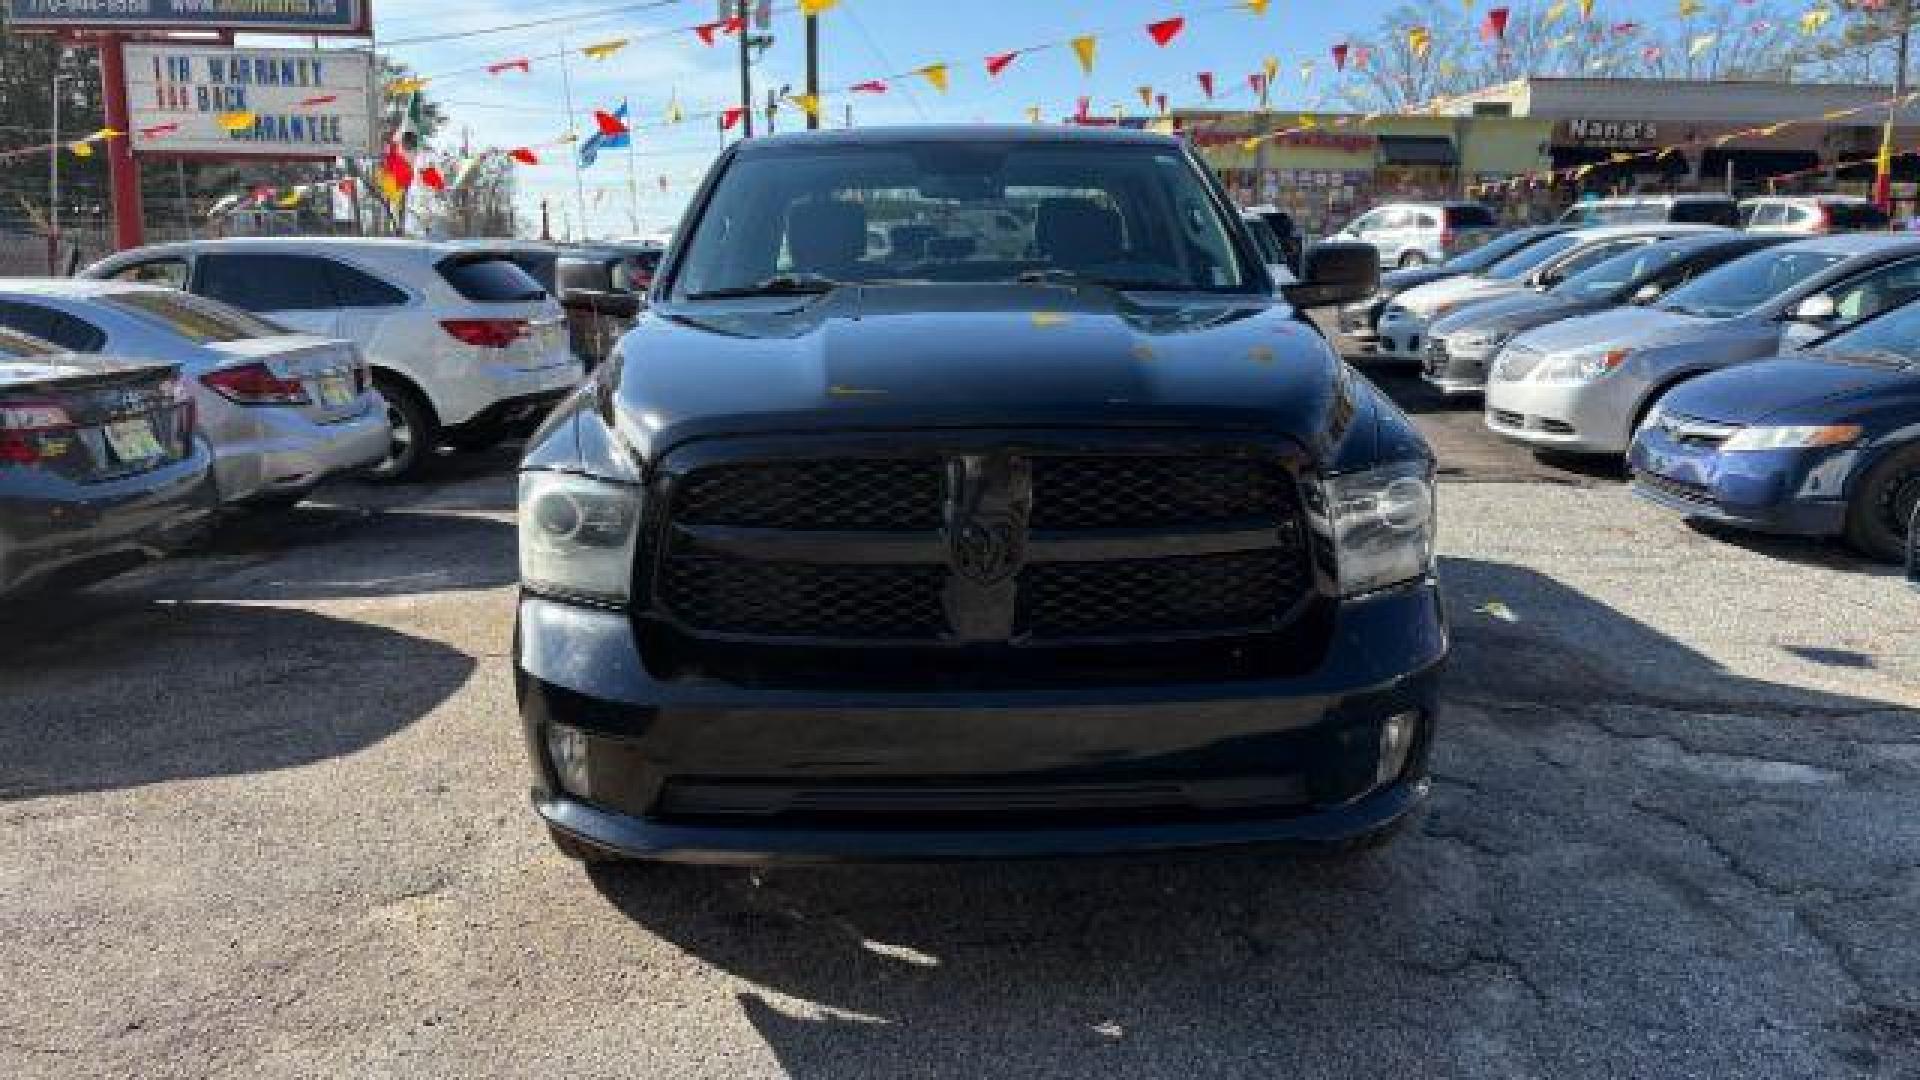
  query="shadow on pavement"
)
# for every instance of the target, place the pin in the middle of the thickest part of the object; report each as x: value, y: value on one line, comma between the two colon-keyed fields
x: 323, y: 551
x: 1556, y: 908
x: 132, y: 693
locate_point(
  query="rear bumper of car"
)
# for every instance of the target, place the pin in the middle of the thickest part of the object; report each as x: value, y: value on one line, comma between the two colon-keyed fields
x: 1790, y: 492
x: 484, y: 387
x: 528, y: 410
x: 704, y: 771
x: 260, y: 450
x: 50, y: 526
x: 1401, y: 334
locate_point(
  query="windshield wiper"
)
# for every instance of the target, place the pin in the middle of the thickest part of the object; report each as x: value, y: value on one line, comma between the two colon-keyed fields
x: 777, y: 285
x: 1058, y: 276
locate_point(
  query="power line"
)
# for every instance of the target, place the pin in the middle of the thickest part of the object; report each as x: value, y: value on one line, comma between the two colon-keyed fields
x: 579, y: 16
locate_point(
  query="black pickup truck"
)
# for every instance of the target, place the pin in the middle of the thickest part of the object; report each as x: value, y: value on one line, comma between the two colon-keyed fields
x: 971, y: 492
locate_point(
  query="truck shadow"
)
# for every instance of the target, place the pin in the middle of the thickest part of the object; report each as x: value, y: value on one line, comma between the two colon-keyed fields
x: 1556, y: 885
x: 127, y: 693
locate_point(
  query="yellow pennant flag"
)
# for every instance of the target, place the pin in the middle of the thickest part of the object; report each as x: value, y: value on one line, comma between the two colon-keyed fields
x: 1250, y: 143
x: 1083, y: 47
x: 1701, y: 43
x: 1258, y: 7
x: 1836, y: 114
x: 1581, y: 172
x: 291, y: 199
x: 1271, y: 66
x: 1308, y: 123
x: 234, y: 121
x: 1466, y: 6
x: 1146, y: 95
x: 1621, y: 158
x: 1420, y: 39
x: 1813, y: 19
x: 105, y: 133
x: 1586, y: 10
x: 674, y: 114
x: 815, y: 7
x: 1689, y: 8
x: 82, y: 148
x: 1033, y: 114
x: 604, y: 49
x: 936, y: 76
x: 1554, y: 14
x: 411, y: 84
x: 807, y: 103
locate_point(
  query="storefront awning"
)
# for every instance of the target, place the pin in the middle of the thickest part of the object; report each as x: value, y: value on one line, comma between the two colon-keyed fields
x: 1423, y: 150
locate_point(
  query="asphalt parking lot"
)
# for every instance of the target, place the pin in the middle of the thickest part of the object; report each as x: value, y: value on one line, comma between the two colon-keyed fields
x: 262, y: 813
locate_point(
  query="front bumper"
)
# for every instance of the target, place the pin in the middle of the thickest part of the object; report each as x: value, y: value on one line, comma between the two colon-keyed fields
x: 1454, y: 372
x: 55, y: 526
x: 1578, y: 418
x: 697, y: 771
x: 1790, y: 492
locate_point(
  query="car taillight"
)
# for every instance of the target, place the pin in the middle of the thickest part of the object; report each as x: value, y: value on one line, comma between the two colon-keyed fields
x: 1825, y: 219
x: 1446, y: 239
x: 254, y: 384
x: 486, y: 333
x: 25, y: 427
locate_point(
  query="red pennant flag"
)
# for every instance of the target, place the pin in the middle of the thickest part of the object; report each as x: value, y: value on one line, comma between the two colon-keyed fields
x: 524, y: 156
x: 346, y: 186
x: 1340, y: 57
x: 1206, y: 83
x: 1160, y: 102
x: 733, y: 25
x: 998, y: 62
x: 609, y: 124
x: 731, y: 117
x: 158, y: 130
x: 324, y: 99
x: 1258, y: 81
x: 397, y: 166
x: 1651, y: 54
x: 1080, y: 114
x: 525, y: 66
x: 1360, y: 57
x: 1495, y: 26
x: 706, y: 32
x: 430, y: 177
x: 1625, y: 28
x: 262, y: 195
x: 1165, y: 30
x: 872, y: 86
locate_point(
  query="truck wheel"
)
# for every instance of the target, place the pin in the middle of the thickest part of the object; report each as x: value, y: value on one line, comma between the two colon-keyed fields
x: 1883, y: 505
x: 579, y: 850
x: 414, y: 432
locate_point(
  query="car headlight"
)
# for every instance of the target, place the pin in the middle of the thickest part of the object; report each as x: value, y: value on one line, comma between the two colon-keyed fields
x: 577, y: 536
x: 1383, y: 525
x: 1790, y: 438
x: 1581, y: 367
x: 1481, y: 341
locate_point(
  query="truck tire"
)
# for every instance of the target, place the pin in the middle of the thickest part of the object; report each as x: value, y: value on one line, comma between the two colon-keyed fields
x: 1882, y: 505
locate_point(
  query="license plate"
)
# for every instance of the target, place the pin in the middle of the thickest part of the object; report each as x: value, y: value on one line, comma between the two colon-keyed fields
x: 133, y: 440
x: 335, y: 391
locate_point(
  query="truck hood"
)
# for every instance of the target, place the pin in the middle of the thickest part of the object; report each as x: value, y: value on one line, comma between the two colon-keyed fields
x: 1635, y: 327
x: 1754, y: 393
x: 971, y: 356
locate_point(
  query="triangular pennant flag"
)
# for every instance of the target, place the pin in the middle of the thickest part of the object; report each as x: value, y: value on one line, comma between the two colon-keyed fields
x: 998, y: 62
x: 1586, y: 10
x: 705, y: 31
x: 1258, y: 7
x: 1495, y: 26
x: 524, y: 65
x: 1146, y: 96
x: 1554, y: 14
x: 313, y: 102
x: 1160, y: 103
x: 430, y: 178
x: 524, y: 155
x: 1257, y: 82
x: 1206, y: 83
x: 81, y: 149
x: 1420, y: 39
x: 1080, y: 109
x: 1165, y: 30
x: 1701, y: 43
x: 731, y: 117
x: 1651, y: 54
x: 1361, y: 56
x: 1083, y: 48
x: 1340, y: 57
x: 1689, y: 8
x: 290, y: 200
x: 871, y: 86
x: 1250, y: 143
x: 604, y: 49
x: 1033, y: 114
x: 411, y: 84
x: 1813, y: 19
x: 936, y: 76
x: 347, y: 186
x: 609, y: 124
x: 1270, y: 67
x: 158, y: 130
x: 807, y: 103
x: 810, y: 8
x: 675, y: 114
x: 234, y: 121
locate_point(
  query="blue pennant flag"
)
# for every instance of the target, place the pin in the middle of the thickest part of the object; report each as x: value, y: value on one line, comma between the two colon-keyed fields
x: 596, y: 142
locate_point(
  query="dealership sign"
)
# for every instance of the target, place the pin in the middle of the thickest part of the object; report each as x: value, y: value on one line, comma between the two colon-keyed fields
x: 301, y: 16
x: 256, y: 102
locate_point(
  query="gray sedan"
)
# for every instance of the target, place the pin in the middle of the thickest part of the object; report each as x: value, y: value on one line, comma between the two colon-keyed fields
x: 1582, y: 385
x: 282, y: 410
x: 1460, y: 344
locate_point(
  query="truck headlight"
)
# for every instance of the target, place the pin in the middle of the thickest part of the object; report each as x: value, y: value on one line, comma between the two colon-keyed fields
x: 1790, y: 438
x: 1581, y: 367
x: 1383, y: 525
x: 577, y: 536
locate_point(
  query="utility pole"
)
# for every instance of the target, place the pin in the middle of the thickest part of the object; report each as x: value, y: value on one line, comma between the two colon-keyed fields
x: 53, y: 171
x: 813, y: 71
x: 1883, y: 176
x: 746, y: 66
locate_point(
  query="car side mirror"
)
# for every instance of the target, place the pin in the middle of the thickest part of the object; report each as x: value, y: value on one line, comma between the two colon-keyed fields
x: 1646, y: 294
x: 1815, y: 310
x: 1335, y: 273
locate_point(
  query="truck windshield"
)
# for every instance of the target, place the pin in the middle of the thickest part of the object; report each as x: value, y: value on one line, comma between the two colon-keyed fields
x: 807, y: 217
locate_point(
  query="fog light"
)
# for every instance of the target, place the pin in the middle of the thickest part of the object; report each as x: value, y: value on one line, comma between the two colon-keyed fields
x: 567, y: 749
x: 1396, y: 740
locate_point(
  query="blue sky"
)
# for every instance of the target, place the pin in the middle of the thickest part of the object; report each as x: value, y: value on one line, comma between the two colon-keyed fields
x: 860, y: 39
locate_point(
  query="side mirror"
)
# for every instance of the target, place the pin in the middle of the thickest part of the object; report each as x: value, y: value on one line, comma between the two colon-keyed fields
x: 1334, y: 273
x: 1815, y: 310
x: 1646, y: 294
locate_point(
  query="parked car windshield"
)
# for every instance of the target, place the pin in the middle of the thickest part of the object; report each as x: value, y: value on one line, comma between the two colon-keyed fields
x: 195, y: 318
x: 1746, y: 283
x: 1478, y: 259
x: 1897, y: 333
x: 1605, y: 278
x: 1133, y: 216
x: 15, y: 345
x: 1523, y: 262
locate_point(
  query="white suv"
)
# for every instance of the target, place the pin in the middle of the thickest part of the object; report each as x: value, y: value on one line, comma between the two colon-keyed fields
x: 462, y: 343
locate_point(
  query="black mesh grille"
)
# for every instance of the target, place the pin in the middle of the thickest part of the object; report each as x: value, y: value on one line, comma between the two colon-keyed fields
x: 1185, y: 594
x: 1143, y: 492
x: 838, y: 494
x: 801, y: 600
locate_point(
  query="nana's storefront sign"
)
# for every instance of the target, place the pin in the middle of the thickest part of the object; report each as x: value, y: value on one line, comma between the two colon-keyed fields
x: 1583, y: 132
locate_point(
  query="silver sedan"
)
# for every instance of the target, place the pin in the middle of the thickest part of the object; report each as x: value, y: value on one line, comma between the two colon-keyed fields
x: 283, y: 411
x: 1582, y: 385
